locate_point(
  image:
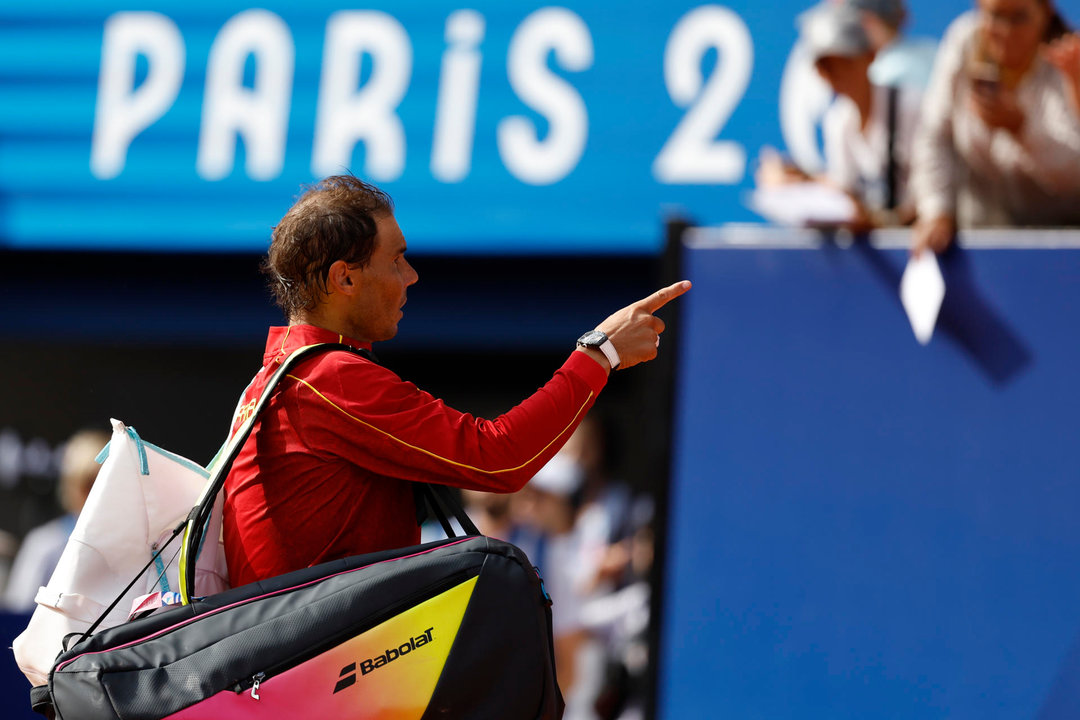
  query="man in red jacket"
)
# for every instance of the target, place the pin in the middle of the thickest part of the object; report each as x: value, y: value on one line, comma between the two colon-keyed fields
x: 327, y: 470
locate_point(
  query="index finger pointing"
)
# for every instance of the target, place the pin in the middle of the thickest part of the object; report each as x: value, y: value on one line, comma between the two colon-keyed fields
x: 662, y: 297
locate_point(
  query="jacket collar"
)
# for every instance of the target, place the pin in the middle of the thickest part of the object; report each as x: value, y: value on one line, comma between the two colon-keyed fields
x: 283, y: 340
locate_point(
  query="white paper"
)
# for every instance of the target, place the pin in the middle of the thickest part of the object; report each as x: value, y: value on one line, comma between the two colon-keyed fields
x: 922, y: 290
x: 801, y: 204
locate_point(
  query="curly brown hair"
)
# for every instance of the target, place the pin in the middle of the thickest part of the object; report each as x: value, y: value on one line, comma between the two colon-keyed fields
x: 334, y: 219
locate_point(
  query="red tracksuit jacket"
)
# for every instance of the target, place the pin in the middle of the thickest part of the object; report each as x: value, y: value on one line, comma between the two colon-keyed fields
x: 322, y: 475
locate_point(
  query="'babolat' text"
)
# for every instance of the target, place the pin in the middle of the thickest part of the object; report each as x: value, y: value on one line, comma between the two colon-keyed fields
x: 348, y: 673
x: 392, y: 654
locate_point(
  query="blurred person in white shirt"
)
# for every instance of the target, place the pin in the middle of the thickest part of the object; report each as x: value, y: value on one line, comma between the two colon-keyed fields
x: 548, y: 505
x: 999, y: 141
x: 41, y: 548
x: 868, y: 128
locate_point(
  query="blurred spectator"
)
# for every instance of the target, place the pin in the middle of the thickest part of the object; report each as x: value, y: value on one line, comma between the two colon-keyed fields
x: 899, y: 60
x: 615, y: 549
x: 593, y: 545
x: 603, y: 504
x: 490, y: 512
x: 999, y: 142
x: 546, y: 504
x: 9, y: 544
x: 621, y: 618
x: 41, y: 549
x: 867, y: 130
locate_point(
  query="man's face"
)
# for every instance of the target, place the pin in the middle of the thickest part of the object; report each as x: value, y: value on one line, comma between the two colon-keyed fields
x: 376, y: 308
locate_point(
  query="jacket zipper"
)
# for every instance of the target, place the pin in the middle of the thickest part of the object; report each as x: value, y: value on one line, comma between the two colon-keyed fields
x: 252, y: 683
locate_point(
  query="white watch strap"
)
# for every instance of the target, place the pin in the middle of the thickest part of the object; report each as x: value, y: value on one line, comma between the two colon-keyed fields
x: 610, y: 353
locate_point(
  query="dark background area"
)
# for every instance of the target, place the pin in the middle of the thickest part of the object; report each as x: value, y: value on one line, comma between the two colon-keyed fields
x: 167, y: 343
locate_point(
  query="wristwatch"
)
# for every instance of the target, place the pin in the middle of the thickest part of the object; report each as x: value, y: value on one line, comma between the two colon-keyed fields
x: 599, y: 340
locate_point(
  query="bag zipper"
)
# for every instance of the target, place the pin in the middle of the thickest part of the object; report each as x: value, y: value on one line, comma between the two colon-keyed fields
x: 258, y: 678
x: 252, y: 683
x: 61, y: 664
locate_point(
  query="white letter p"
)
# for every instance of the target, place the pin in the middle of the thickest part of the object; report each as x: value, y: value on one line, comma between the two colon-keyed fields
x: 123, y: 111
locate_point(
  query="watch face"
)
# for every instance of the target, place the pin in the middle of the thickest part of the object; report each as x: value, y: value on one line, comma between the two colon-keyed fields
x: 593, y: 338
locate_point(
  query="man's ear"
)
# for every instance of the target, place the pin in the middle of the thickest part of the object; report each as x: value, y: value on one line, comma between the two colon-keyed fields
x: 339, y: 279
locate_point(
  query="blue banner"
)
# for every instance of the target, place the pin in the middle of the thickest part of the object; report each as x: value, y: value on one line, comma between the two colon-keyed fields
x: 498, y: 127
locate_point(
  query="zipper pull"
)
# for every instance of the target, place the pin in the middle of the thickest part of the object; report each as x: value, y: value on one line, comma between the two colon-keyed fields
x: 259, y: 677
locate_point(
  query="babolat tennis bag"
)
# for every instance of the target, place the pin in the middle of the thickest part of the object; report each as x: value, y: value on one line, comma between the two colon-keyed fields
x: 459, y: 628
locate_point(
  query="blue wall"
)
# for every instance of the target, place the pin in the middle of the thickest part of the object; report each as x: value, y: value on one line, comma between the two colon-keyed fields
x: 862, y: 527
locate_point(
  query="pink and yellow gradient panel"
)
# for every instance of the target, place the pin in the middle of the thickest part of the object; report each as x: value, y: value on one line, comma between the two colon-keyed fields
x: 387, y: 673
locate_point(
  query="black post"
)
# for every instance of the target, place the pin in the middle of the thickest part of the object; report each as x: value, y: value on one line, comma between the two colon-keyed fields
x: 659, y: 409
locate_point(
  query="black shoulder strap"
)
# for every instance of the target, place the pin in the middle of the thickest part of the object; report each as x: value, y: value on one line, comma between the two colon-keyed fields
x: 442, y: 501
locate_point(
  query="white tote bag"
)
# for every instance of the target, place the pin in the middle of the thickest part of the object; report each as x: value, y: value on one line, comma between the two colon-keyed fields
x: 141, y: 495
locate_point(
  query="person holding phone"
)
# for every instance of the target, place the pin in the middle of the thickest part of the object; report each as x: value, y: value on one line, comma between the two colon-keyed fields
x: 999, y: 139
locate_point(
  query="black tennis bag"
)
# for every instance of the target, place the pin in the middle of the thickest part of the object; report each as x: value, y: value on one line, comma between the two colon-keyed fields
x: 459, y: 628
x: 454, y: 629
